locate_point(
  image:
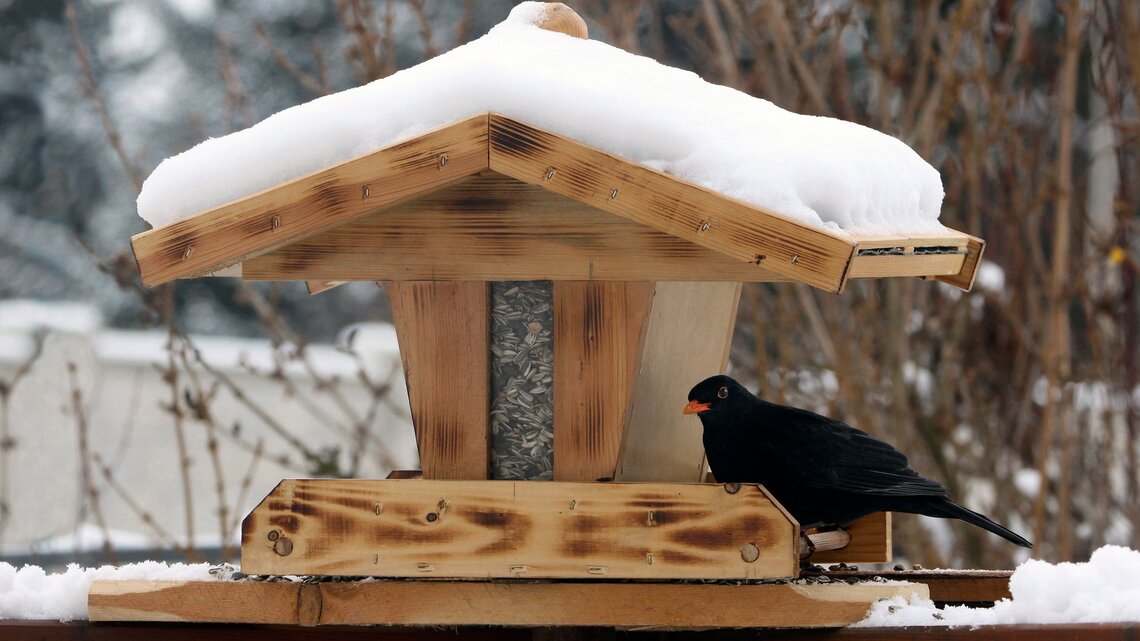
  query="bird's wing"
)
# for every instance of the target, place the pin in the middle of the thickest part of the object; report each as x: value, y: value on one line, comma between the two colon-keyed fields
x: 830, y: 454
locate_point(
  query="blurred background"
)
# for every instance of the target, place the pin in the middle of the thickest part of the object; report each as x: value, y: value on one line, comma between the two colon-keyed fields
x: 138, y: 423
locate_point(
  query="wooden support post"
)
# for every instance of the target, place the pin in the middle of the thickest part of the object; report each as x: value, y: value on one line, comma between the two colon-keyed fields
x: 688, y: 338
x: 443, y: 335
x: 870, y: 542
x: 598, y: 331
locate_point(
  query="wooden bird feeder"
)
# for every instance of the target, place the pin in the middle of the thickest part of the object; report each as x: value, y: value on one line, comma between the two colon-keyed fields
x: 646, y: 271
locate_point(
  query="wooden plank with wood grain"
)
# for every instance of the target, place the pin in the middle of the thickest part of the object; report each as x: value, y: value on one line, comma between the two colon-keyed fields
x: 299, y: 208
x: 203, y: 601
x: 519, y: 529
x: 493, y: 227
x: 668, y: 204
x: 870, y: 542
x: 621, y: 605
x: 688, y: 338
x: 147, y: 631
x: 892, y: 265
x: 598, y: 332
x: 946, y: 586
x: 661, y: 606
x: 442, y: 328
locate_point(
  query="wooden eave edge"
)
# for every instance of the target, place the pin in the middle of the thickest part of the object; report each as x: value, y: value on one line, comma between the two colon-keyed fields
x: 226, y: 235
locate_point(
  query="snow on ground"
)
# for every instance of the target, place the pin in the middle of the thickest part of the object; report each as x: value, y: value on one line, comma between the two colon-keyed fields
x: 822, y: 171
x: 30, y: 593
x: 1106, y: 589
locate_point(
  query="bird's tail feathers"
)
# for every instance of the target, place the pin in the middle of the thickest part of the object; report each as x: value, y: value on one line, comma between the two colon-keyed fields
x: 950, y: 509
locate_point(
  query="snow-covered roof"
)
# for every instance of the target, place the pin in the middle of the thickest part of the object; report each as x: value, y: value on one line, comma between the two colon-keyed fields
x: 774, y: 195
x: 821, y: 171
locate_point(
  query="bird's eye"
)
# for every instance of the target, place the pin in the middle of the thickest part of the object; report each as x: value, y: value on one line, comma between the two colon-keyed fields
x: 722, y: 392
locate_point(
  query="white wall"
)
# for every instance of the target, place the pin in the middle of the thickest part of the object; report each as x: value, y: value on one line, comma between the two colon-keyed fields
x: 125, y: 405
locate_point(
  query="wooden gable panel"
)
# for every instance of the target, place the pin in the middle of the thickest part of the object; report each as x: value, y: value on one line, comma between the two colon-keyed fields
x: 492, y: 227
x: 291, y: 211
x: 687, y: 338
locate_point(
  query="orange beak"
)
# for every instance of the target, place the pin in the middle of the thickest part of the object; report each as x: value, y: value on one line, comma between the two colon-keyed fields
x: 695, y: 408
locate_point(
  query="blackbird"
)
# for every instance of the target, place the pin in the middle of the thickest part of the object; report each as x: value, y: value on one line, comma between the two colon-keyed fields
x: 824, y: 472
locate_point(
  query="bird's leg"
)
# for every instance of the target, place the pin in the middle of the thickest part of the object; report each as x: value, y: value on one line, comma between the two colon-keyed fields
x: 823, y: 539
x: 807, y: 546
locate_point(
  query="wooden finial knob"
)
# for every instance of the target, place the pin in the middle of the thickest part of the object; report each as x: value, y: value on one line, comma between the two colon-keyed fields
x: 558, y: 17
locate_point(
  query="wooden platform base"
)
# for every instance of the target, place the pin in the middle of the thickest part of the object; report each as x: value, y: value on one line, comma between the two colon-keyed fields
x: 148, y: 631
x: 501, y: 603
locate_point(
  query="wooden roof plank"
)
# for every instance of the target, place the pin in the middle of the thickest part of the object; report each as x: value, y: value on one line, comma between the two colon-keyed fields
x: 294, y: 210
x: 669, y: 204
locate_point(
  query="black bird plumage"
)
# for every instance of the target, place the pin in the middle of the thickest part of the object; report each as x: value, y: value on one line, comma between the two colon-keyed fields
x: 824, y: 472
